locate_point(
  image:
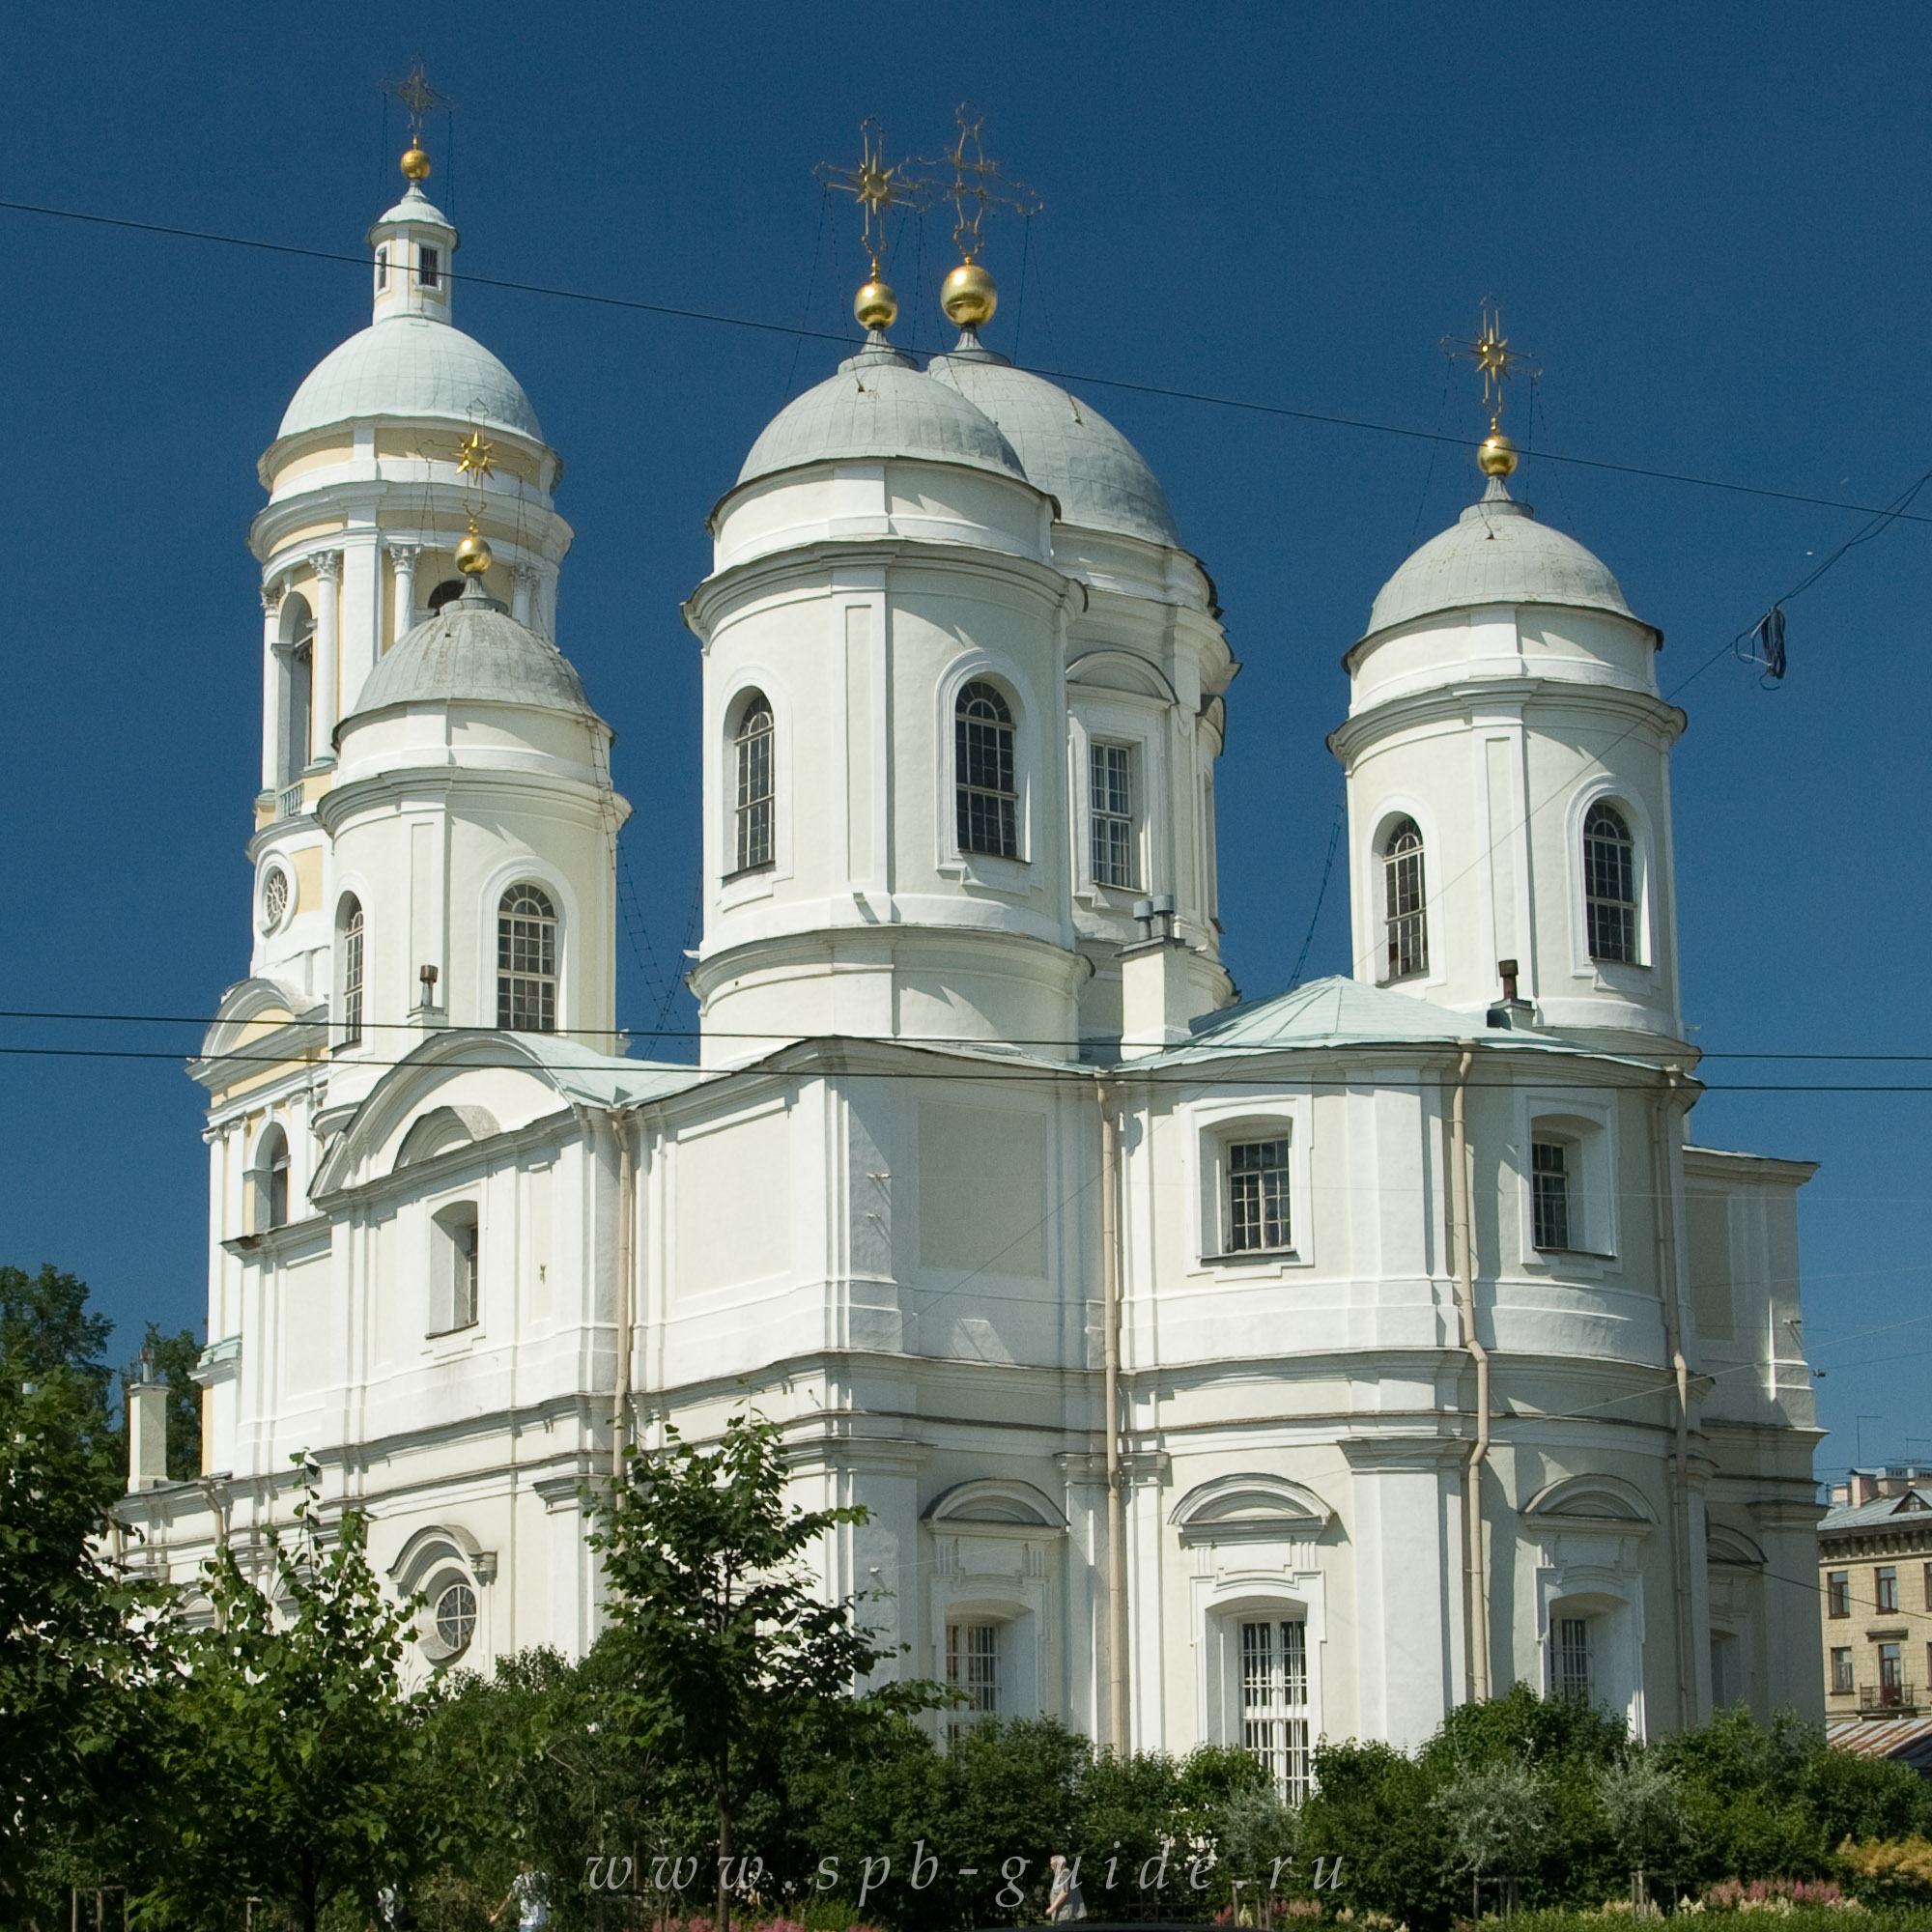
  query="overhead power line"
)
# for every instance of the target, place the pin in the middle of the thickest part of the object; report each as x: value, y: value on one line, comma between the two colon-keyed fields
x: 1207, y: 398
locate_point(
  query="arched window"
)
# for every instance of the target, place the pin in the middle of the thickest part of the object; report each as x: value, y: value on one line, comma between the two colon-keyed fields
x: 1609, y: 885
x: 271, y: 1182
x: 351, y: 971
x: 526, y: 961
x: 989, y: 797
x: 1404, y: 909
x: 752, y: 747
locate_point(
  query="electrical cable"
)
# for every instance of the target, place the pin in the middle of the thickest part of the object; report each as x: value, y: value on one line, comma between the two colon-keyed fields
x: 1206, y: 398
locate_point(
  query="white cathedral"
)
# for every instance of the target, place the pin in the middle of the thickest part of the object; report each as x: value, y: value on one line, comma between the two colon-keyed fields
x: 1209, y: 1372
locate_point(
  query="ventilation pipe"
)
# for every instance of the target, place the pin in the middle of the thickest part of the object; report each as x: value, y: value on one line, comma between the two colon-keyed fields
x: 620, y: 1394
x: 1475, y: 1554
x: 1117, y: 1502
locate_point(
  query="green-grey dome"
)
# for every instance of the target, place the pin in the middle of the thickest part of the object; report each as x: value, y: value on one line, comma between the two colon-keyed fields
x: 1066, y: 448
x: 473, y: 652
x: 412, y: 366
x: 879, y: 404
x: 1496, y: 552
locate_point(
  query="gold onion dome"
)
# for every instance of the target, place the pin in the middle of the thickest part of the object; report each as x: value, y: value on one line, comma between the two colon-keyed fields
x: 416, y: 163
x: 969, y: 296
x: 875, y: 306
x: 472, y: 555
x: 1497, y: 455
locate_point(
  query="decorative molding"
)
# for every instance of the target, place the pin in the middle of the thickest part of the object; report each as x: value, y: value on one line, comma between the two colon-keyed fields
x: 327, y: 565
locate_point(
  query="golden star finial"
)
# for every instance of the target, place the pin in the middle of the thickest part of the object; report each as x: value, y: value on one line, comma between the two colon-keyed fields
x: 476, y: 458
x: 1498, y: 362
x: 874, y: 187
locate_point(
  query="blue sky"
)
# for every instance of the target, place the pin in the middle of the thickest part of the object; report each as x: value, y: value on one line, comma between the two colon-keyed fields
x: 1710, y: 223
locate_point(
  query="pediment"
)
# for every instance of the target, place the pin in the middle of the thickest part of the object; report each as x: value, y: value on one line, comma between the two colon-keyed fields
x: 995, y: 1503
x: 1592, y: 1500
x: 1252, y: 1508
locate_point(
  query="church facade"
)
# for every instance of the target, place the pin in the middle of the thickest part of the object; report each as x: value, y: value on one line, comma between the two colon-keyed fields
x: 1209, y: 1371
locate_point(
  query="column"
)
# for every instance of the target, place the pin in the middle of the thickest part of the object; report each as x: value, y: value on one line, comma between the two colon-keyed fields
x: 403, y: 591
x: 523, y: 591
x: 272, y: 685
x: 327, y: 640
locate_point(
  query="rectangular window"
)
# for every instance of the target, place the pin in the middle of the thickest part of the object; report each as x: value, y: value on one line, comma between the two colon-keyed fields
x: 1110, y: 793
x: 1890, y: 1674
x: 757, y: 790
x: 972, y: 1665
x: 429, y: 269
x: 352, y: 982
x: 1838, y: 1593
x: 1549, y: 1194
x: 1569, y: 1661
x: 1841, y: 1668
x: 1256, y: 1197
x: 454, y: 1275
x: 1928, y: 1586
x: 1884, y: 1594
x: 1274, y: 1702
x: 381, y: 268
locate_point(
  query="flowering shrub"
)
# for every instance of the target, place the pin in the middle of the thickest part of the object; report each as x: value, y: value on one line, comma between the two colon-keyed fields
x: 1772, y: 1894
x: 1890, y: 1869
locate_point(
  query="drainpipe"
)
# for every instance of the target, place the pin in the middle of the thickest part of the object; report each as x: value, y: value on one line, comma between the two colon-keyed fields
x: 1680, y: 1369
x: 1475, y: 1556
x: 1117, y: 1502
x: 620, y: 1395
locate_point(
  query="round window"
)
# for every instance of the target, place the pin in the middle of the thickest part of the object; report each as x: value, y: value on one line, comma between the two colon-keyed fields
x: 274, y: 898
x: 456, y: 1617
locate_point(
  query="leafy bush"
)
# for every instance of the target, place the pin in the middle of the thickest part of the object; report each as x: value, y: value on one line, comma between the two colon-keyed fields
x: 1899, y: 1868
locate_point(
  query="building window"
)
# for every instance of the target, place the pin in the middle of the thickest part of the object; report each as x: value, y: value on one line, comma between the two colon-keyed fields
x: 430, y: 268
x: 1256, y: 1197
x: 1890, y: 1674
x: 271, y: 1182
x: 526, y: 961
x: 456, y: 1618
x: 381, y: 269
x: 1403, y: 908
x: 1274, y: 1702
x: 351, y: 972
x: 1570, y: 1661
x: 973, y: 1666
x: 454, y: 1269
x: 1609, y: 886
x: 294, y: 733
x: 752, y: 745
x: 274, y: 898
x: 1549, y: 1195
x: 1111, y: 798
x: 1928, y: 1586
x: 1841, y: 1668
x: 1885, y: 1591
x: 989, y: 795
x: 446, y: 592
x: 1838, y: 1593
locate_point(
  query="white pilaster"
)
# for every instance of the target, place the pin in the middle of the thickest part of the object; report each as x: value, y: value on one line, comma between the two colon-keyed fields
x: 403, y: 591
x: 271, y: 685
x: 523, y: 591
x: 327, y: 655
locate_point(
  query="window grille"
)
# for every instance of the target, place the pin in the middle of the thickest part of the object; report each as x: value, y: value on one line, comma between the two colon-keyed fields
x: 972, y: 1665
x: 1257, y: 1196
x: 1549, y: 1194
x: 456, y: 1617
x: 1111, y: 794
x: 1838, y: 1593
x: 989, y: 797
x: 1274, y: 1703
x: 1887, y: 1592
x: 756, y: 789
x: 1841, y: 1668
x: 1570, y: 1663
x: 430, y: 269
x: 1404, y: 909
x: 352, y: 974
x: 527, y: 962
x: 1609, y: 886
x: 275, y: 899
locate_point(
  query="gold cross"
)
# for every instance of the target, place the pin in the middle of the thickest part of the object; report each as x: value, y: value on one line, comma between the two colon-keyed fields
x: 874, y: 187
x: 1490, y: 353
x: 982, y: 190
x: 416, y: 94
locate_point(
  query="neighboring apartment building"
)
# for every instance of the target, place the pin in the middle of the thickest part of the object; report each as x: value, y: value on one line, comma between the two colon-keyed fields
x: 1875, y: 1565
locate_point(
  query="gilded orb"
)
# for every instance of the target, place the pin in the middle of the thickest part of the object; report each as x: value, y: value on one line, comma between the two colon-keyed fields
x: 473, y: 556
x: 875, y: 306
x: 969, y: 297
x: 416, y: 163
x: 1497, y: 455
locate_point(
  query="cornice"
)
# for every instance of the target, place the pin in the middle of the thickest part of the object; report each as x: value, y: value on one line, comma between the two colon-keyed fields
x: 1456, y: 699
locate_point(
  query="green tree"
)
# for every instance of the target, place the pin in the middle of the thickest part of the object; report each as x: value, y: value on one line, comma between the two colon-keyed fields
x: 292, y: 1750
x: 45, y: 1324
x: 719, y: 1646
x: 1644, y: 1810
x: 76, y: 1637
